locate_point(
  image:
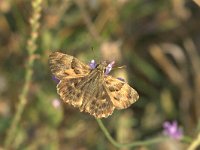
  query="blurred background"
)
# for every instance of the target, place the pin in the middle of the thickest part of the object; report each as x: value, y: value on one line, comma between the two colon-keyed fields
x: 158, y: 41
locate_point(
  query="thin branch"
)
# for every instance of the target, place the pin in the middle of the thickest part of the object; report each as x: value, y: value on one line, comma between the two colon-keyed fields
x: 87, y: 20
x: 197, y: 2
x: 195, y: 143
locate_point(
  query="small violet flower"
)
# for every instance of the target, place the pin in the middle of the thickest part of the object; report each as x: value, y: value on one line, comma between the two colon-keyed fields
x: 109, y: 67
x: 172, y: 130
x: 92, y: 64
x: 55, y: 79
x: 56, y: 103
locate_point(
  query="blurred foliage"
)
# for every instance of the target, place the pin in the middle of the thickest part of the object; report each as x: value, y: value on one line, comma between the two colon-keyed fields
x: 158, y: 41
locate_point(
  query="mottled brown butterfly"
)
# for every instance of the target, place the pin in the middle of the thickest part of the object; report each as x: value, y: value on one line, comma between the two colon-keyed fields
x: 89, y: 87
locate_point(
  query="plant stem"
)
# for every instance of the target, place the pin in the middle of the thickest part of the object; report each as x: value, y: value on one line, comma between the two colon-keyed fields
x: 132, y: 144
x: 31, y: 47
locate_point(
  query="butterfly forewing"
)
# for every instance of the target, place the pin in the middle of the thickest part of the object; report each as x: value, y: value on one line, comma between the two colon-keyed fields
x: 66, y: 66
x: 89, y: 89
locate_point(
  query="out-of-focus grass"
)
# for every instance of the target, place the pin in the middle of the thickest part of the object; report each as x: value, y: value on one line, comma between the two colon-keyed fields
x: 140, y: 27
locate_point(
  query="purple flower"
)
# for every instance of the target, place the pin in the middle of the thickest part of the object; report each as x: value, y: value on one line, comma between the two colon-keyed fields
x: 172, y: 130
x: 55, y: 79
x: 109, y: 67
x: 92, y: 64
x: 56, y: 103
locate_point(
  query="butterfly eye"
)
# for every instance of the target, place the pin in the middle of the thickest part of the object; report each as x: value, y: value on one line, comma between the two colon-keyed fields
x: 109, y: 68
x: 93, y: 64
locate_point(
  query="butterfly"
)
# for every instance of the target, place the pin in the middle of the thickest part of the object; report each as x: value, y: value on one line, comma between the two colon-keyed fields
x: 89, y: 87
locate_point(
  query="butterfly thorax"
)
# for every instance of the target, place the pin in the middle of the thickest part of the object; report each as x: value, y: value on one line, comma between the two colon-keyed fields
x: 101, y: 67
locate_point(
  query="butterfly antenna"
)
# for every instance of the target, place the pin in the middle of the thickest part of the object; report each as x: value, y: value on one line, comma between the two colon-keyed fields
x: 92, y: 48
x: 94, y: 56
x: 120, y: 67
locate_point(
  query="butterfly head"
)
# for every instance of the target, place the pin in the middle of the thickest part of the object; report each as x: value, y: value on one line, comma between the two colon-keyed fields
x: 103, y: 67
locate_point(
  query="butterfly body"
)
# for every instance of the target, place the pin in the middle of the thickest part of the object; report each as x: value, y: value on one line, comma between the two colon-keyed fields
x: 90, y: 89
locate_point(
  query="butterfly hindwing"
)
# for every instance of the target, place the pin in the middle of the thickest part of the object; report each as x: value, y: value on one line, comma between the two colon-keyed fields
x: 87, y: 94
x: 70, y: 91
x: 121, y: 94
x: 99, y: 104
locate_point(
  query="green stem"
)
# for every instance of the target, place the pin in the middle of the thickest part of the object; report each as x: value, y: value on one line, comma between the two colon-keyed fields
x: 132, y: 144
x: 31, y: 48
